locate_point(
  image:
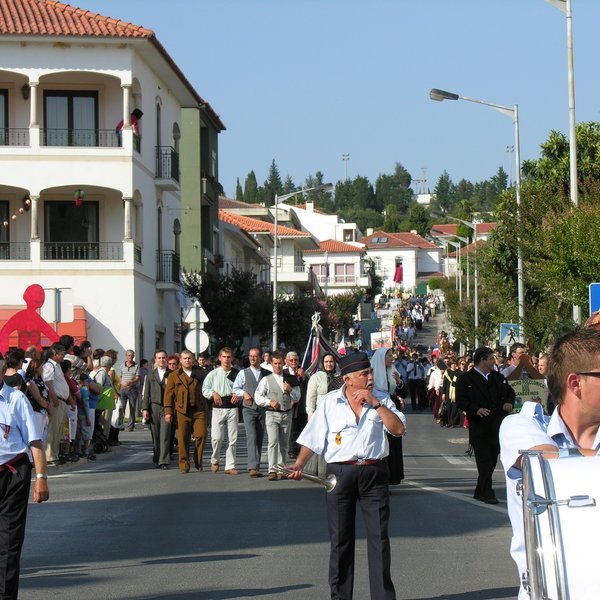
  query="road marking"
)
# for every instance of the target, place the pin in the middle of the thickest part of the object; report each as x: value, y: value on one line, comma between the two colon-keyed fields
x: 500, y: 508
x: 458, y: 460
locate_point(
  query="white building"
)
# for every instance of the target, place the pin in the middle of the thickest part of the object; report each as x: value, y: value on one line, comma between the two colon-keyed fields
x: 67, y: 77
x: 403, y: 260
x: 339, y: 267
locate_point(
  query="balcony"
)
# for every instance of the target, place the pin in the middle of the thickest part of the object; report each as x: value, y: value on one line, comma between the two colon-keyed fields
x: 167, y: 168
x: 168, y: 269
x: 14, y: 137
x: 86, y: 138
x: 82, y: 251
x: 345, y: 281
x: 15, y: 251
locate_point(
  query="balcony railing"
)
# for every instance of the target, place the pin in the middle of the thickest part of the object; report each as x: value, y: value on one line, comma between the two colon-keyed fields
x: 167, y: 163
x: 15, y: 251
x: 338, y: 279
x: 91, y: 138
x: 168, y: 266
x: 14, y: 137
x: 82, y: 251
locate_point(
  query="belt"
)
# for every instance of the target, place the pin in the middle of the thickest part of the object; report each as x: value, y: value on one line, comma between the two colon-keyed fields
x: 278, y: 410
x: 14, y: 462
x: 361, y: 461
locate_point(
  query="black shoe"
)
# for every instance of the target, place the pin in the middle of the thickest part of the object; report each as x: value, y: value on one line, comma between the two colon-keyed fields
x: 492, y: 500
x: 164, y: 467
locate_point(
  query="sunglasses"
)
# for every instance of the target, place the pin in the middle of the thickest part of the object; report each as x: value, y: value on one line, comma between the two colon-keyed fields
x: 589, y: 373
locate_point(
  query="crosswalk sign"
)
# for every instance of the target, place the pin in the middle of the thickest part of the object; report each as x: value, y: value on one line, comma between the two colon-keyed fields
x: 510, y: 333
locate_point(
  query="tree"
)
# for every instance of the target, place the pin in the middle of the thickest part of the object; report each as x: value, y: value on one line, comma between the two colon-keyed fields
x: 444, y: 193
x: 418, y: 219
x: 239, y: 194
x: 390, y: 191
x: 343, y: 308
x: 273, y: 185
x: 403, y: 176
x: 288, y: 185
x: 250, y: 188
x: 392, y: 219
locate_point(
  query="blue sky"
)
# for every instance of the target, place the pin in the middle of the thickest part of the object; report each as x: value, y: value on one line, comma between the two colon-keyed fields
x: 305, y: 81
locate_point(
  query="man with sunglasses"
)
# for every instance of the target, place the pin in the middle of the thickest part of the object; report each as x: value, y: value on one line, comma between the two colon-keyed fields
x: 573, y: 429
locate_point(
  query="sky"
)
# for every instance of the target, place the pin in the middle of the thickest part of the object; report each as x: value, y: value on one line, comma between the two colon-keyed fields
x: 307, y: 81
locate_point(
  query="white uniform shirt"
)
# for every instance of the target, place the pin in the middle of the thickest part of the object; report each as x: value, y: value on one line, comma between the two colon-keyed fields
x: 18, y: 424
x: 521, y: 431
x: 333, y: 431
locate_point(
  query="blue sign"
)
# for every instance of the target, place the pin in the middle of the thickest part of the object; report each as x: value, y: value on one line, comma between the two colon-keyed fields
x: 594, y: 297
x: 510, y: 333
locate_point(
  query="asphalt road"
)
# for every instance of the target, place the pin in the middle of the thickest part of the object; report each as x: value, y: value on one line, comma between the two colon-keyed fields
x: 118, y: 528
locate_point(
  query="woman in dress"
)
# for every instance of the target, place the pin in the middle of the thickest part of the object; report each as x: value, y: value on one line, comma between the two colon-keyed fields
x: 386, y: 379
x: 38, y: 395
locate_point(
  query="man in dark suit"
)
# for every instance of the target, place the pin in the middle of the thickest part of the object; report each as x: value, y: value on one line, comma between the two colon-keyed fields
x: 153, y: 410
x: 487, y: 398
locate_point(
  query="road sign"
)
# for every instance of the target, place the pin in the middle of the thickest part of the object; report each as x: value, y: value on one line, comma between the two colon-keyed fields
x: 196, y: 314
x: 594, y: 297
x: 196, y: 341
x: 510, y: 333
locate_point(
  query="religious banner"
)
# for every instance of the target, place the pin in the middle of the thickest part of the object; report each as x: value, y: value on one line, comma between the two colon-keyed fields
x: 529, y: 384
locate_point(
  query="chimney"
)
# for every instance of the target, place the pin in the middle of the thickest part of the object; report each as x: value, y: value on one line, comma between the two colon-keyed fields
x: 310, y: 206
x: 369, y: 231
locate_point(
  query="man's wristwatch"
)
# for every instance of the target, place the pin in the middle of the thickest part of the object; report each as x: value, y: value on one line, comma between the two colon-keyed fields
x: 41, y: 476
x: 377, y: 406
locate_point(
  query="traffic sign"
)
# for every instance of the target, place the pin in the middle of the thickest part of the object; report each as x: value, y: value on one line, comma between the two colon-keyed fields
x: 594, y: 297
x: 510, y: 333
x: 196, y: 314
x: 196, y: 341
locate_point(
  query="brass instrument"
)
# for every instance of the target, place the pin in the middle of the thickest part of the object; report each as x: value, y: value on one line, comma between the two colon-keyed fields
x: 328, y: 483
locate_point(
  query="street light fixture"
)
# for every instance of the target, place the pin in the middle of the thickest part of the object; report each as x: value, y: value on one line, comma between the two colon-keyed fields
x: 466, y: 242
x: 458, y: 275
x: 513, y: 113
x: 565, y: 7
x: 278, y: 200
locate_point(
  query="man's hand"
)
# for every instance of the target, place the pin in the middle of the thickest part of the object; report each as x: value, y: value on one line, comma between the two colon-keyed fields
x: 169, y: 418
x: 217, y: 399
x: 483, y: 412
x: 248, y: 399
x: 40, y: 491
x: 274, y: 404
x: 365, y: 397
x: 146, y: 415
x: 235, y: 399
x: 295, y: 471
x: 287, y: 388
x: 507, y: 407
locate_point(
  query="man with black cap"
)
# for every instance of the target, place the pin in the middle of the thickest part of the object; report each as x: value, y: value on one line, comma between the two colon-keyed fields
x: 349, y: 428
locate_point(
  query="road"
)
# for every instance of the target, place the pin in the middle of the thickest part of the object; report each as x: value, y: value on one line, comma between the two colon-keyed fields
x: 118, y: 528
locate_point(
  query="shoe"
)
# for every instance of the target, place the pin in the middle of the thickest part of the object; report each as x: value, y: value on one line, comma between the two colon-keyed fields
x: 253, y: 473
x: 492, y: 500
x: 198, y: 467
x: 214, y: 468
x: 166, y: 468
x: 231, y: 472
x: 183, y: 471
x: 272, y: 477
x: 91, y: 456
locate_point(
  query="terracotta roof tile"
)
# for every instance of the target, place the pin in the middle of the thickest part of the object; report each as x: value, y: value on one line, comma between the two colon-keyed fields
x: 396, y: 240
x: 49, y: 17
x: 257, y: 226
x: 230, y: 203
x: 441, y: 229
x: 335, y: 246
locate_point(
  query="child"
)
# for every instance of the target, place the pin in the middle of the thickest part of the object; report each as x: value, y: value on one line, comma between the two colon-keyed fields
x: 85, y: 423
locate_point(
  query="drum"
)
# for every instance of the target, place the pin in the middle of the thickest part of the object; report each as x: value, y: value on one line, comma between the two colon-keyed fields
x: 561, y: 515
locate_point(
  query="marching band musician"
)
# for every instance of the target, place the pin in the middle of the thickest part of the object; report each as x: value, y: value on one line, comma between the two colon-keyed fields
x: 573, y: 428
x: 349, y: 428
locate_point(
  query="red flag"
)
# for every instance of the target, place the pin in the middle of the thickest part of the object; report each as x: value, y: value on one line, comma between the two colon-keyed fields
x: 341, y: 350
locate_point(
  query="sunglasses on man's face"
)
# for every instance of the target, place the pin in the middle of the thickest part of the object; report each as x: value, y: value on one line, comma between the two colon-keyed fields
x: 589, y: 373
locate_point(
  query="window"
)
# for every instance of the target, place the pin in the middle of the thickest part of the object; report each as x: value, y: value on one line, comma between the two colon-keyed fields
x: 3, y: 117
x: 71, y: 118
x: 374, y: 240
x: 344, y: 273
x: 70, y: 231
x: 4, y: 231
x: 348, y: 237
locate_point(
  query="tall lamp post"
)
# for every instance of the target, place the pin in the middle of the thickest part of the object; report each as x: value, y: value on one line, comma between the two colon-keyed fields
x: 458, y: 275
x: 466, y: 243
x: 565, y: 7
x: 345, y: 158
x: 513, y: 113
x: 279, y: 200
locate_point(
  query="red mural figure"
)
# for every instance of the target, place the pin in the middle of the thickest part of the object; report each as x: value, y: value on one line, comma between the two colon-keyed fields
x: 28, y: 323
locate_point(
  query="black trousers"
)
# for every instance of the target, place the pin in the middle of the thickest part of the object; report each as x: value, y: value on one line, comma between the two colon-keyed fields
x: 486, y: 450
x: 368, y: 486
x: 14, y: 496
x: 418, y: 394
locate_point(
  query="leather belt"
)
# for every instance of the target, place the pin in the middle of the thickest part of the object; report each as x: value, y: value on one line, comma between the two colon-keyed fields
x: 361, y: 461
x: 278, y: 410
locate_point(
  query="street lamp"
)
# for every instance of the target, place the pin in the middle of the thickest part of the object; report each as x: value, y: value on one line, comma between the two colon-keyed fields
x: 513, y: 113
x: 279, y: 200
x: 458, y: 277
x: 466, y: 242
x: 565, y: 7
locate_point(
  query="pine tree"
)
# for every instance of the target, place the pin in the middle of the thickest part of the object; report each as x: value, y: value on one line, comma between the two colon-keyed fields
x: 239, y: 194
x: 250, y: 188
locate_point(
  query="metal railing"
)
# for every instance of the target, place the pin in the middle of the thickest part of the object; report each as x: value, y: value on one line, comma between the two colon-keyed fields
x: 168, y: 266
x: 91, y: 138
x: 137, y: 254
x: 15, y: 251
x: 14, y: 137
x: 82, y: 251
x: 167, y: 163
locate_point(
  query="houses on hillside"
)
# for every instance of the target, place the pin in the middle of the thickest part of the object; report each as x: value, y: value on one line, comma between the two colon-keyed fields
x: 91, y: 195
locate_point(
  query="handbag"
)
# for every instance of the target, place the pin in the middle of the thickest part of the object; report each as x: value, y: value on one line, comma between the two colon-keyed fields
x: 106, y: 399
x: 443, y: 411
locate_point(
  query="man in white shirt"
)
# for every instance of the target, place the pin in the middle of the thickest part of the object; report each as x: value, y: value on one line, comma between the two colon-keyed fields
x: 574, y: 383
x: 349, y: 427
x: 278, y: 398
